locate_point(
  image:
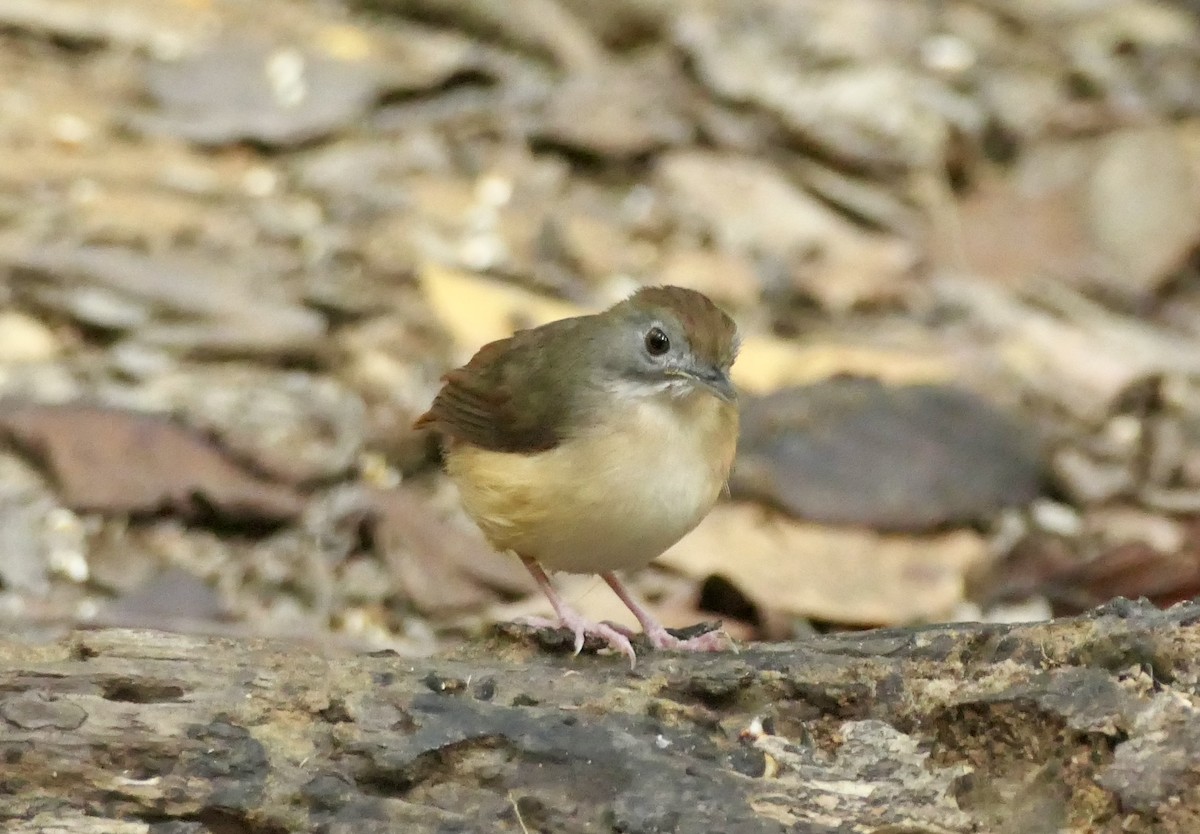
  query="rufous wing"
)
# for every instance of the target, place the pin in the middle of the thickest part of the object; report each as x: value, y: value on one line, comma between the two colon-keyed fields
x: 505, y: 399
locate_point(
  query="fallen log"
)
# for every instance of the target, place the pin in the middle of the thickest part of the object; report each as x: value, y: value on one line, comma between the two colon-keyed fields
x: 1082, y: 724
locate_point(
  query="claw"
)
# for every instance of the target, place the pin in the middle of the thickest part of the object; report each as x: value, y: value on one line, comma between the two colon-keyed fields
x: 582, y: 628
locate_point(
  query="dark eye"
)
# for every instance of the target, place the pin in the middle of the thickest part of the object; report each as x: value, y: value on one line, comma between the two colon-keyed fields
x: 657, y: 342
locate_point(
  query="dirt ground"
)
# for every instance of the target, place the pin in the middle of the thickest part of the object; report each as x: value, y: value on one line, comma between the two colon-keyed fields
x: 240, y: 242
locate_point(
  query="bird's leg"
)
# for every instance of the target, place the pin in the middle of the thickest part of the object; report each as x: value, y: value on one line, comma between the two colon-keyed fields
x: 571, y: 619
x: 659, y: 637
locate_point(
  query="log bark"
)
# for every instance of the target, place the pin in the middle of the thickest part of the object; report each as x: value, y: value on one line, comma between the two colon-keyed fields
x: 1083, y: 724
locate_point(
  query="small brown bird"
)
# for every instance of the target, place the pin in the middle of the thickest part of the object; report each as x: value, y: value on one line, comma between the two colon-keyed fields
x: 592, y: 444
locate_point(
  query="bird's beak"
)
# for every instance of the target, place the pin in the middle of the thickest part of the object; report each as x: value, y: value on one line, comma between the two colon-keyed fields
x: 716, y: 380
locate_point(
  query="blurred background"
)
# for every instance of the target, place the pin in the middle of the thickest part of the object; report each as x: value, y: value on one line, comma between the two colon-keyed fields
x: 240, y: 242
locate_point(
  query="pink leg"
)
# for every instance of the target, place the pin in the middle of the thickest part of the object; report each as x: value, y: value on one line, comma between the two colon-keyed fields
x: 573, y: 620
x: 660, y: 638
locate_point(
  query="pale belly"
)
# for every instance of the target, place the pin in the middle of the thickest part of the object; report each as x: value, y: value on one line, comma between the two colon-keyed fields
x: 606, y: 501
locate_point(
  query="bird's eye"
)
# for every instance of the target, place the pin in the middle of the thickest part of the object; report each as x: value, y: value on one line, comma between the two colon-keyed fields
x: 657, y: 342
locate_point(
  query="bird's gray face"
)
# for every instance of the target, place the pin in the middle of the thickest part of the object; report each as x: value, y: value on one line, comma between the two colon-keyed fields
x: 651, y: 352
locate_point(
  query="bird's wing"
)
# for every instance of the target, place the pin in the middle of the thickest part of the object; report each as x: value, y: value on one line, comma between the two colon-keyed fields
x: 506, y: 399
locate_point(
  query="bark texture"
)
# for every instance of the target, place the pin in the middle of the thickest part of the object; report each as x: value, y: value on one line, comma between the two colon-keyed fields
x: 1084, y: 724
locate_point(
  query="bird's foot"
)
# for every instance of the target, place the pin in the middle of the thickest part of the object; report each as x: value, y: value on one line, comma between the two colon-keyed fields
x: 705, y: 637
x: 709, y: 641
x: 583, y: 628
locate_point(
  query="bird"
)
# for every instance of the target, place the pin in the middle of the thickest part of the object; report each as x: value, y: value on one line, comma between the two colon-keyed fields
x: 592, y: 444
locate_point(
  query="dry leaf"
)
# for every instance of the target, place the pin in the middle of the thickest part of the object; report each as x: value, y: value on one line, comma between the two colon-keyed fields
x: 834, y: 574
x: 767, y: 363
x: 109, y: 460
x: 748, y: 207
x: 479, y: 310
x: 849, y: 450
